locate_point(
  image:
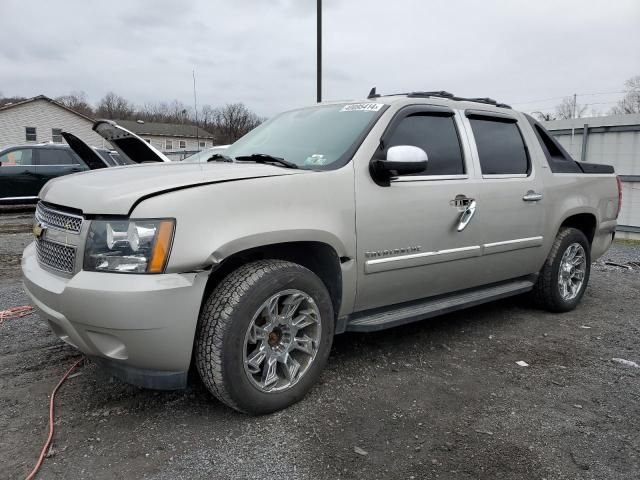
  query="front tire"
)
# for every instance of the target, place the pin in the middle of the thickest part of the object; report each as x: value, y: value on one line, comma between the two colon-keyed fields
x: 565, y: 274
x: 264, y: 336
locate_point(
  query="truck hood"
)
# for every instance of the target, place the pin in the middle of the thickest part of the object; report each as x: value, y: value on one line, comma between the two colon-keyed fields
x: 127, y: 143
x: 84, y: 151
x: 115, y: 191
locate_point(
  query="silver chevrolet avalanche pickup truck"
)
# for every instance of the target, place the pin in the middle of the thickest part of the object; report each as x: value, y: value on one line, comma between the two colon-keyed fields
x: 347, y: 216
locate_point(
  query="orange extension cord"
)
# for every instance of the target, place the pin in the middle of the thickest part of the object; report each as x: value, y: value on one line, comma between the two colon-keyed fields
x: 45, y: 449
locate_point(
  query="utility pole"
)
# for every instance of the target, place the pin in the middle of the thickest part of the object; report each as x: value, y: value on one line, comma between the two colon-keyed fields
x: 319, y: 53
x: 574, y: 106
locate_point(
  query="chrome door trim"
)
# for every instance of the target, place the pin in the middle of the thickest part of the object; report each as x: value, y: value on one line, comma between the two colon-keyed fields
x: 420, y: 259
x: 505, y: 175
x: 427, y: 178
x: 509, y: 245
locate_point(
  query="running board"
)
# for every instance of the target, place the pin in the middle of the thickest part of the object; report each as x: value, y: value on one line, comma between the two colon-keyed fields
x: 388, y: 317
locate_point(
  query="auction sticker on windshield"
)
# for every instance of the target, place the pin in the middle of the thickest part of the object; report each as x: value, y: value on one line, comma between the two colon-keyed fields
x: 359, y: 107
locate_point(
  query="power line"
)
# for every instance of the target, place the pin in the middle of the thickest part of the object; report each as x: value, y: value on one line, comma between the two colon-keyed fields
x: 567, y: 96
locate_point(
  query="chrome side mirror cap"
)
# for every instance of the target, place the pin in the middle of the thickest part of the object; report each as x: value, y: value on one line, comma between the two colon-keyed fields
x: 401, y: 160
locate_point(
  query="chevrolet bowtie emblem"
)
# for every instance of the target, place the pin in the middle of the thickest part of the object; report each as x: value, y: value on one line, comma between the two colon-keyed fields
x: 38, y: 229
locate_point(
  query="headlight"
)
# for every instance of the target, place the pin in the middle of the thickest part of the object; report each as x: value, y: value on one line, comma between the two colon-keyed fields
x: 128, y: 246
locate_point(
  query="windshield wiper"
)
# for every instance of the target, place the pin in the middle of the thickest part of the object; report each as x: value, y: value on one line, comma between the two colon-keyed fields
x: 219, y: 157
x: 265, y: 158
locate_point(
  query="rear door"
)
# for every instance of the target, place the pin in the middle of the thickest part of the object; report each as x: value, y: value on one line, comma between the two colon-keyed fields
x: 510, y: 206
x: 56, y: 162
x: 18, y: 179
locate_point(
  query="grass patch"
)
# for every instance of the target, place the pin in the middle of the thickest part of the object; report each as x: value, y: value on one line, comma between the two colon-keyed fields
x: 626, y: 241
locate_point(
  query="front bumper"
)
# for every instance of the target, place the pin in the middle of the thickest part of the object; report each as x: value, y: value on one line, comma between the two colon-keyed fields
x: 140, y: 327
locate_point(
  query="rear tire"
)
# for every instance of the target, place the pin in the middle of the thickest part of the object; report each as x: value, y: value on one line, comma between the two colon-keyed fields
x: 565, y: 274
x: 264, y: 336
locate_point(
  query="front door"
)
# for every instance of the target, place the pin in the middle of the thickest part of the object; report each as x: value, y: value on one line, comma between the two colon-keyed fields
x: 411, y: 243
x: 18, y: 180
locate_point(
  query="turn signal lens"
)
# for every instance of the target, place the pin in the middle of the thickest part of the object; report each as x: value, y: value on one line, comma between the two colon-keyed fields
x: 161, y: 247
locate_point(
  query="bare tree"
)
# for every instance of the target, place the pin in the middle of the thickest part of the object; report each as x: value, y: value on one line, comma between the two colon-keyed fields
x: 173, y: 112
x: 7, y: 100
x: 569, y: 108
x: 631, y: 101
x: 76, y: 101
x: 113, y: 106
x: 233, y: 121
x: 545, y: 117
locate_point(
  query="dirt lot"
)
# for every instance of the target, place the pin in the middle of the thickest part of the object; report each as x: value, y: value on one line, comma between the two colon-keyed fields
x: 439, y: 399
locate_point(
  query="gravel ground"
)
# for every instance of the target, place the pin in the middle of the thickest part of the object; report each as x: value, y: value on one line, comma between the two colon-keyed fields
x: 439, y: 399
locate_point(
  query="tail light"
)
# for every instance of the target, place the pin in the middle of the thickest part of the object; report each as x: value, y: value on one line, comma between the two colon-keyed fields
x: 619, y: 195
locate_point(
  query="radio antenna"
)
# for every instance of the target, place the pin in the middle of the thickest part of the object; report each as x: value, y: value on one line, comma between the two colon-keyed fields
x: 195, y: 107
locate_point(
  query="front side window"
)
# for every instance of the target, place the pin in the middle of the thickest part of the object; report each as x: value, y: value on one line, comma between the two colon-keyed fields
x: 321, y: 137
x: 56, y: 135
x: 17, y: 158
x: 30, y: 134
x: 183, y: 144
x: 437, y: 136
x: 202, y: 144
x: 168, y: 145
x: 50, y: 156
x: 500, y: 147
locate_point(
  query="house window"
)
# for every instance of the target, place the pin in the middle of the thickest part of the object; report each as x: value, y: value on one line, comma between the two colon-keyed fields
x: 56, y: 135
x: 183, y: 144
x: 148, y: 140
x: 168, y: 145
x: 30, y: 134
x: 202, y: 144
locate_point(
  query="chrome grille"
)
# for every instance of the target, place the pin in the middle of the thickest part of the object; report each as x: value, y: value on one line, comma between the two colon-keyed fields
x: 56, y: 256
x: 57, y: 219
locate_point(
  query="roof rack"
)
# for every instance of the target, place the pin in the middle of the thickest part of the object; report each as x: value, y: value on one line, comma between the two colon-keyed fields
x: 441, y: 94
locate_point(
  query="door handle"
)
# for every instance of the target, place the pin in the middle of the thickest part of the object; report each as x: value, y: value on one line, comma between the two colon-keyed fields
x: 467, y: 215
x: 532, y: 196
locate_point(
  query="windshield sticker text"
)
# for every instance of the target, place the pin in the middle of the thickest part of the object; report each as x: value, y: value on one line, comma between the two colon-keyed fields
x: 359, y: 107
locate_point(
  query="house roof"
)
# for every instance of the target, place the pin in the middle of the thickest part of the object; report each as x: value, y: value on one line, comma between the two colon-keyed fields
x: 47, y: 99
x: 164, y: 129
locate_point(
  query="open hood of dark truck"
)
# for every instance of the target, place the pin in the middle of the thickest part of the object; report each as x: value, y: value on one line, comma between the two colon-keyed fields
x: 127, y: 143
x: 88, y: 155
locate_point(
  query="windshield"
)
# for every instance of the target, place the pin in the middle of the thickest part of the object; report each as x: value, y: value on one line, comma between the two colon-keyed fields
x: 321, y: 137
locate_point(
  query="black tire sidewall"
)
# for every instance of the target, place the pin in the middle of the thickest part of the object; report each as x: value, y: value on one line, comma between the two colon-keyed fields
x: 574, y: 236
x: 240, y: 388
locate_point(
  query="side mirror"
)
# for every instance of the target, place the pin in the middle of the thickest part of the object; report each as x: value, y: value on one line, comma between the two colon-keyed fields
x: 401, y: 160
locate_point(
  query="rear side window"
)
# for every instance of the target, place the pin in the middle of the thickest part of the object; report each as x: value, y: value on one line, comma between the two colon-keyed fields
x: 557, y: 157
x: 55, y: 157
x: 436, y: 135
x: 500, y: 147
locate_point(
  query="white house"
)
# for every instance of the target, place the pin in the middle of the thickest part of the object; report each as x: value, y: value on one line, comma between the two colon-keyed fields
x: 174, y: 140
x: 40, y: 120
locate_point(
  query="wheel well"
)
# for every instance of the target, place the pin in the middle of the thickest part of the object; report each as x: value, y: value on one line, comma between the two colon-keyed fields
x: 318, y: 257
x: 585, y: 222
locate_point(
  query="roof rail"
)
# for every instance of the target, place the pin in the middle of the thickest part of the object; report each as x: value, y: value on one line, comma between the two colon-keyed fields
x: 441, y: 94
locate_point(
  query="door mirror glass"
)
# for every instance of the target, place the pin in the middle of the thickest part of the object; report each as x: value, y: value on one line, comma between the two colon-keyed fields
x: 401, y: 160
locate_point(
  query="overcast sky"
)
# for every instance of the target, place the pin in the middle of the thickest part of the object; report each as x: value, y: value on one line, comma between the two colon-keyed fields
x: 262, y: 52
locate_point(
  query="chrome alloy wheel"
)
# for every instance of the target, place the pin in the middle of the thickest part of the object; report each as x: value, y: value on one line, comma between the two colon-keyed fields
x: 282, y: 341
x: 573, y: 266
